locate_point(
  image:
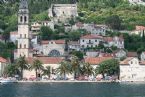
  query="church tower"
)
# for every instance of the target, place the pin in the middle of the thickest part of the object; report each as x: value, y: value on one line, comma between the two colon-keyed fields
x: 23, y: 29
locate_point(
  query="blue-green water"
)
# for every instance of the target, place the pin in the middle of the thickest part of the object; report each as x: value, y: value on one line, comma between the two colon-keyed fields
x: 73, y: 90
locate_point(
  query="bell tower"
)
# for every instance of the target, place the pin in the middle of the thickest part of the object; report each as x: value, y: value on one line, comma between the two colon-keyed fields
x: 23, y: 29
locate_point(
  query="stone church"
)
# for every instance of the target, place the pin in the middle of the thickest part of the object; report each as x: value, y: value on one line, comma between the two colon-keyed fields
x: 25, y: 46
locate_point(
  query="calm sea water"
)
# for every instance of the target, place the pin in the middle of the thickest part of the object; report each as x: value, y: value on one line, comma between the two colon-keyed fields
x: 73, y: 90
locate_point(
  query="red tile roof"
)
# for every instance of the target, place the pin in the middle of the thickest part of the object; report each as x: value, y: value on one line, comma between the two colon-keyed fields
x: 3, y: 60
x: 96, y: 60
x: 45, y: 60
x: 108, y: 39
x: 125, y: 62
x: 56, y: 41
x: 91, y: 36
x: 132, y: 54
x: 140, y: 28
x: 14, y: 33
x: 107, y: 54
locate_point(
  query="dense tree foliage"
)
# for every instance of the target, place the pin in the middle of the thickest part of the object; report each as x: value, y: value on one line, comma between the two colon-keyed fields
x: 109, y: 67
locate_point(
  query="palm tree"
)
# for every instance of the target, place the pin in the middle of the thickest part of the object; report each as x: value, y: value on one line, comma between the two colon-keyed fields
x: 75, y: 66
x: 10, y: 70
x: 37, y: 66
x: 22, y: 64
x: 64, y: 69
x: 89, y: 70
x: 47, y: 71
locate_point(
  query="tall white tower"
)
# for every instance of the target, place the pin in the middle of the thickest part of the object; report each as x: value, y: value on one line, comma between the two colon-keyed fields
x: 23, y: 29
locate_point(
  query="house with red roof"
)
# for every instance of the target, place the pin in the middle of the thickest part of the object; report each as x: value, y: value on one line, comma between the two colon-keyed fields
x: 91, y: 28
x: 132, y: 69
x: 95, y: 61
x: 53, y: 62
x: 114, y: 41
x: 36, y: 26
x: 90, y: 40
x: 3, y: 64
x: 139, y: 30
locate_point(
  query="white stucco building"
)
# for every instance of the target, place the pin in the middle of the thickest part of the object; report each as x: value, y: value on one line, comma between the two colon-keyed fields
x: 139, y: 30
x: 142, y: 56
x: 131, y: 69
x: 114, y: 41
x: 53, y: 47
x: 91, y: 40
x: 53, y: 62
x: 3, y: 64
x: 36, y: 26
x: 74, y: 45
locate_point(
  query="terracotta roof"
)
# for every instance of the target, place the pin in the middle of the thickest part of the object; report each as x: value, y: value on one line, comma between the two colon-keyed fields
x: 132, y: 54
x: 108, y: 39
x: 91, y: 36
x: 125, y: 62
x: 46, y: 60
x: 107, y: 54
x: 56, y: 41
x: 14, y: 33
x: 3, y: 60
x: 96, y: 60
x: 140, y: 28
x: 142, y: 62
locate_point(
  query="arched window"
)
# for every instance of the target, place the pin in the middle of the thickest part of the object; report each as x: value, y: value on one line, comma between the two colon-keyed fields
x: 21, y: 19
x: 54, y: 53
x: 25, y: 19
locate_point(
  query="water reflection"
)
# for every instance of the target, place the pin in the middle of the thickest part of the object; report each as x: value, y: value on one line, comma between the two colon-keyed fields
x: 73, y: 90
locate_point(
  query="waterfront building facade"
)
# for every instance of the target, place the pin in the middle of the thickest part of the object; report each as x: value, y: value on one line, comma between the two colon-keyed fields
x: 131, y: 69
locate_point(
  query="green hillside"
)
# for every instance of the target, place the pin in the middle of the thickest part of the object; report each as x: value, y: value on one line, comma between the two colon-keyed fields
x: 95, y: 11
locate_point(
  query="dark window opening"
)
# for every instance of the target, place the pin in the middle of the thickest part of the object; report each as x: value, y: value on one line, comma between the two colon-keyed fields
x: 25, y: 19
x: 21, y: 19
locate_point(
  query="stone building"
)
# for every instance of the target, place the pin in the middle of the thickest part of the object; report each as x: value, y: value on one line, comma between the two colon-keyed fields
x: 61, y: 12
x: 53, y: 48
x: 131, y: 69
x: 23, y: 30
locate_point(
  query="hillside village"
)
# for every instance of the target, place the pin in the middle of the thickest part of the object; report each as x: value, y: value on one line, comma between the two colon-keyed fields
x: 93, y: 44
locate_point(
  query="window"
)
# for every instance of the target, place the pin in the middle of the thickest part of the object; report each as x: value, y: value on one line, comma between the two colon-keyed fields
x: 83, y: 46
x: 131, y: 62
x: 95, y: 40
x: 54, y: 53
x: 24, y: 45
x: 25, y: 19
x: 20, y: 35
x: 83, y: 40
x: 25, y: 35
x: 21, y: 19
x: 20, y: 46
